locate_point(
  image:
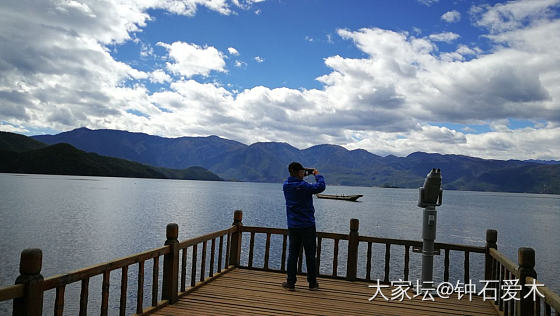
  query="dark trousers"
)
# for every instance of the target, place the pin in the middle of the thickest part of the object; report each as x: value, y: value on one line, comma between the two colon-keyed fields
x: 302, y: 237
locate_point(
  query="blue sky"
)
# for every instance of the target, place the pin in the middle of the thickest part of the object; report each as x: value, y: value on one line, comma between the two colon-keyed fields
x: 480, y: 78
x: 293, y: 37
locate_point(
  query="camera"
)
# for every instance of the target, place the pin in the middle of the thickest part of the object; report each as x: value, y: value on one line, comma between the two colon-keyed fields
x: 309, y: 171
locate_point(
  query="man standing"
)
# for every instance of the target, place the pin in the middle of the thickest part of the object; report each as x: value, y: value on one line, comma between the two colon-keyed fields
x: 301, y: 222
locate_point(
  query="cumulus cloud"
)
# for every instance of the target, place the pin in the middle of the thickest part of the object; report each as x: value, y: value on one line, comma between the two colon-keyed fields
x: 451, y: 16
x: 514, y: 14
x: 65, y: 77
x: 233, y: 51
x: 56, y: 71
x: 159, y: 76
x: 191, y: 59
x: 526, y: 143
x: 190, y: 7
x: 447, y: 37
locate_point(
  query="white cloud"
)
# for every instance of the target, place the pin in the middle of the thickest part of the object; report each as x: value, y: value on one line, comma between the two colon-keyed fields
x: 146, y: 50
x: 309, y: 38
x: 191, y: 59
x: 159, y: 76
x: 239, y: 64
x: 451, y: 16
x: 447, y: 37
x: 245, y: 4
x: 513, y: 14
x: 66, y: 78
x: 189, y: 7
x: 233, y: 51
x: 465, y: 50
x: 525, y: 143
x: 428, y: 2
x: 12, y: 129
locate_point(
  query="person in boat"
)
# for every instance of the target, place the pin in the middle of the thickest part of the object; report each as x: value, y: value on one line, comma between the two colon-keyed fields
x: 301, y: 222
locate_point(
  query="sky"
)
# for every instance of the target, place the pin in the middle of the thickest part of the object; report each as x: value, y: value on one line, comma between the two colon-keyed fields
x: 478, y: 78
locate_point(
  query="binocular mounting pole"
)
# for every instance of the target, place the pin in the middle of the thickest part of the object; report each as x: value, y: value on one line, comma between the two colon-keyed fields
x: 430, y: 196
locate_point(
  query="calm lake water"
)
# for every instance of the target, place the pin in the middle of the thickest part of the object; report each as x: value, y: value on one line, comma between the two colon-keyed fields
x: 81, y: 221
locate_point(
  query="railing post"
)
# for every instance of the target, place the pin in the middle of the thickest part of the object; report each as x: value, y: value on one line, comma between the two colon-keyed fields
x: 31, y: 304
x: 526, y: 261
x: 171, y: 265
x: 235, y: 248
x: 352, y: 263
x: 491, y: 242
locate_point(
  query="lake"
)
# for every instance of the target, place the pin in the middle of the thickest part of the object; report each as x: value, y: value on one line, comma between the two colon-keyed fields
x: 80, y: 221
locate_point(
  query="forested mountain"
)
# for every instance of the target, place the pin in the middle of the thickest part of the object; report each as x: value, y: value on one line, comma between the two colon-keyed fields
x: 267, y: 162
x: 20, y: 154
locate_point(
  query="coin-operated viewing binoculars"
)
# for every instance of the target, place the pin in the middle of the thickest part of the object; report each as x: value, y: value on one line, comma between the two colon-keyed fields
x: 430, y: 196
x: 431, y: 193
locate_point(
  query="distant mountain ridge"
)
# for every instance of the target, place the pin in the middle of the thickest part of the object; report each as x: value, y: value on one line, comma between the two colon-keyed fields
x: 21, y: 154
x: 267, y: 162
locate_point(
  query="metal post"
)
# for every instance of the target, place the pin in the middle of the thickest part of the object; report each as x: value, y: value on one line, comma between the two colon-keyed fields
x: 430, y: 195
x: 428, y: 236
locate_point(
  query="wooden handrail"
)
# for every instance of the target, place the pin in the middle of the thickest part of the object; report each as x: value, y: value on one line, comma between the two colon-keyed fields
x: 11, y: 292
x: 550, y: 297
x: 416, y: 243
x: 503, y: 260
x: 284, y: 231
x: 80, y: 274
x: 334, y: 236
x: 264, y: 230
x: 197, y: 240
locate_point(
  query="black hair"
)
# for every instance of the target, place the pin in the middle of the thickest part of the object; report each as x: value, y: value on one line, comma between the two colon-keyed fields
x: 295, y: 167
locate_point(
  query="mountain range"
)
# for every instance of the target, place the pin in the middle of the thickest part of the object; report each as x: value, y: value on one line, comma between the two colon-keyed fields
x: 21, y: 154
x: 267, y: 162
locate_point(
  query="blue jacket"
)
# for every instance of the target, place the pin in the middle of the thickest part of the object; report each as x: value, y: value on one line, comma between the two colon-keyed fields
x: 299, y: 201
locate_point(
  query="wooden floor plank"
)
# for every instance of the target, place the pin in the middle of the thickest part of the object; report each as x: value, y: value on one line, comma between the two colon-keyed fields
x: 251, y: 292
x: 320, y: 299
x: 343, y: 297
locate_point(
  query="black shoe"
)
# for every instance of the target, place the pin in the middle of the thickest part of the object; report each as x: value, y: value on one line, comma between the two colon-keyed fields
x: 289, y: 286
x: 314, y: 286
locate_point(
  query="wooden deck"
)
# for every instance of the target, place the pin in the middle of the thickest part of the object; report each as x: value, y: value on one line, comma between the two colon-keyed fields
x: 226, y: 284
x: 244, y: 292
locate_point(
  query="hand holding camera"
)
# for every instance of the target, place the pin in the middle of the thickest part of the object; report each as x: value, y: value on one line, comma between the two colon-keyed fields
x: 311, y: 171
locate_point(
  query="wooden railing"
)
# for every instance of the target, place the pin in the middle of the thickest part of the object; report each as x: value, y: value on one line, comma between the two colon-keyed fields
x: 501, y: 269
x: 353, y: 241
x: 27, y: 294
x: 216, y: 253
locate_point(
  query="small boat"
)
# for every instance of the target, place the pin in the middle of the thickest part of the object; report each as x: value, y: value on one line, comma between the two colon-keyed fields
x: 340, y: 197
